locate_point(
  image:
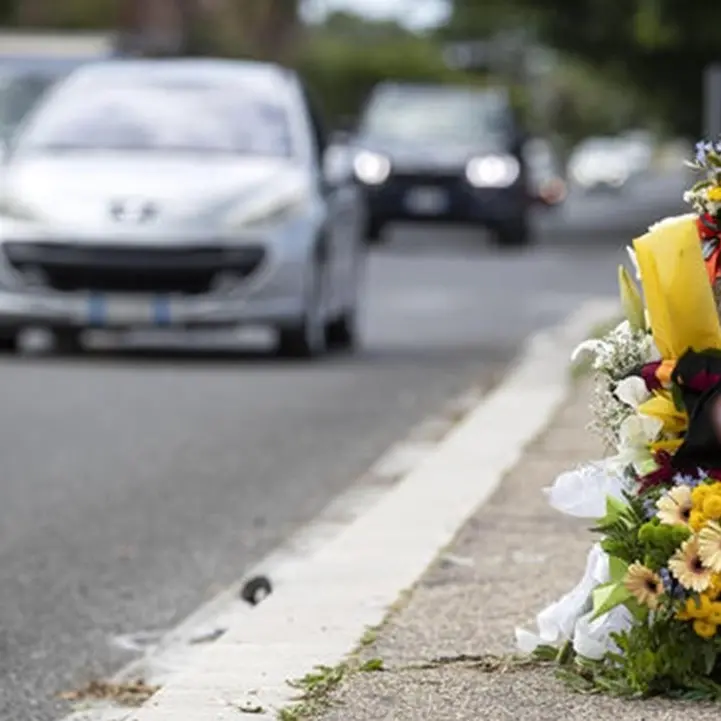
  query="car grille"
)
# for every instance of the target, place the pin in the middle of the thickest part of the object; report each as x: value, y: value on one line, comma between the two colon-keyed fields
x: 451, y: 182
x: 122, y: 269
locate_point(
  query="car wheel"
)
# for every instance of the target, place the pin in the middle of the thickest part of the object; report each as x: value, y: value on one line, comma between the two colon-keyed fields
x: 342, y: 333
x: 68, y: 342
x: 514, y: 234
x: 374, y: 231
x: 9, y: 342
x: 307, y: 338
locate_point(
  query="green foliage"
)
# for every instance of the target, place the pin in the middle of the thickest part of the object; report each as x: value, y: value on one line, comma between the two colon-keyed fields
x: 620, y: 529
x: 342, y: 73
x: 659, y: 47
x: 8, y: 10
x: 660, y: 542
x: 662, y: 658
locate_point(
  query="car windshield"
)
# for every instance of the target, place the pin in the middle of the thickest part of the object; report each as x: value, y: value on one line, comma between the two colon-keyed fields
x: 437, y: 116
x: 160, y: 115
x: 20, y: 90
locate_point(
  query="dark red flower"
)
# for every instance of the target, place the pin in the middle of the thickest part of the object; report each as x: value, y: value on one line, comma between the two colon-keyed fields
x: 701, y: 381
x: 648, y: 373
x: 662, y: 475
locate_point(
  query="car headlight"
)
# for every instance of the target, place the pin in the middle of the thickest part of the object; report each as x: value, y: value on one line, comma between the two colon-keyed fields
x: 267, y: 211
x: 371, y: 168
x: 493, y: 171
x: 14, y: 209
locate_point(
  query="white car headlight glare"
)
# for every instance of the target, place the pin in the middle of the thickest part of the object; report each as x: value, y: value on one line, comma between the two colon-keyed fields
x: 371, y: 168
x: 493, y: 171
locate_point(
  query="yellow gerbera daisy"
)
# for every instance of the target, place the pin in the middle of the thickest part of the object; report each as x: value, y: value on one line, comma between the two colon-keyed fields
x: 687, y: 567
x: 714, y: 194
x: 674, y: 508
x: 645, y: 584
x: 709, y: 546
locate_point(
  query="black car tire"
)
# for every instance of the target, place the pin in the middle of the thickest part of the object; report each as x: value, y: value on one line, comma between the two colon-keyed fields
x: 515, y: 233
x: 68, y: 342
x: 374, y: 231
x: 342, y: 333
x: 9, y: 342
x: 307, y: 338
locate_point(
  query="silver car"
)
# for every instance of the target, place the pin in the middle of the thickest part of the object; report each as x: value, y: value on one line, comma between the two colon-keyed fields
x: 178, y: 193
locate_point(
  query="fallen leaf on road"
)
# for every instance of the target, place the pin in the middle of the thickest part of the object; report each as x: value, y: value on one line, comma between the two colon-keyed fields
x: 134, y: 693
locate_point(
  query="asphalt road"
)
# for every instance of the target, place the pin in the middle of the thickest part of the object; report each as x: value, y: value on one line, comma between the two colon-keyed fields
x: 135, y: 485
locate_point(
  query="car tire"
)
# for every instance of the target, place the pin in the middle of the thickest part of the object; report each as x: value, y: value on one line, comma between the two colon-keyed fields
x: 342, y: 333
x: 68, y: 342
x: 307, y: 338
x: 514, y: 234
x: 9, y: 342
x: 374, y: 231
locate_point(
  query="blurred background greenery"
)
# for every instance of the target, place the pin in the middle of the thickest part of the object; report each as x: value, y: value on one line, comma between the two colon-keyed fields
x: 576, y: 67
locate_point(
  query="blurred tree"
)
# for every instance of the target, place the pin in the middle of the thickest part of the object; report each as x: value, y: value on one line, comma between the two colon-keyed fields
x: 350, y: 25
x: 68, y: 14
x: 661, y: 47
x: 262, y: 29
x: 8, y: 12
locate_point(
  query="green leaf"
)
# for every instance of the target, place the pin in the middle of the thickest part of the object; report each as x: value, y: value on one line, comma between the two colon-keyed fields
x: 615, y: 511
x: 631, y: 300
x: 677, y: 397
x: 618, y: 569
x: 544, y: 652
x: 607, y: 597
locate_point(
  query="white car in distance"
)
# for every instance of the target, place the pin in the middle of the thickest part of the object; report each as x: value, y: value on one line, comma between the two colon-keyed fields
x: 178, y: 194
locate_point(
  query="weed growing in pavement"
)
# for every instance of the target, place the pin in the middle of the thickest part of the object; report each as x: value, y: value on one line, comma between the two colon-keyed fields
x: 486, y: 663
x: 317, y: 687
x: 369, y: 637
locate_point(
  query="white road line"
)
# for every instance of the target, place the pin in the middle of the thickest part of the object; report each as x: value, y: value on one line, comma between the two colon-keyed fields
x: 343, y: 575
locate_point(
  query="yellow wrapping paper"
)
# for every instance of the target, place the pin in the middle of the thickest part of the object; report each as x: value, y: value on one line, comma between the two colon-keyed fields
x: 679, y: 299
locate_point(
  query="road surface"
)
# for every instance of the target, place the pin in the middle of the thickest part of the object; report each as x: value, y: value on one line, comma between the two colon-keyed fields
x: 136, y: 485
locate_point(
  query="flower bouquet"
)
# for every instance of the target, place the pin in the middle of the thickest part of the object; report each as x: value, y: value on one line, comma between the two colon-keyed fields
x: 646, y: 617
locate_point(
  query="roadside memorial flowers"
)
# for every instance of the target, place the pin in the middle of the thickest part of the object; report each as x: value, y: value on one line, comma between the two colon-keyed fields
x: 646, y: 617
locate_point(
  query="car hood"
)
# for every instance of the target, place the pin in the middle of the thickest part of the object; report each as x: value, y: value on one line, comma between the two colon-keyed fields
x: 80, y: 190
x: 412, y: 156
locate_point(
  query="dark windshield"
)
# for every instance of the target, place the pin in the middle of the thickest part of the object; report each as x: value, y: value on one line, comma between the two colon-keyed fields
x: 19, y: 93
x: 161, y: 115
x: 437, y: 116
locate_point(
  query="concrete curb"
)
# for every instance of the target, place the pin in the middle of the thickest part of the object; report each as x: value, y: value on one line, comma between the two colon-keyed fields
x: 347, y: 586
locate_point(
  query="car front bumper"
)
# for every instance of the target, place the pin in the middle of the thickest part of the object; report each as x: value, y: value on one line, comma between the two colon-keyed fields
x: 82, y: 286
x: 458, y: 201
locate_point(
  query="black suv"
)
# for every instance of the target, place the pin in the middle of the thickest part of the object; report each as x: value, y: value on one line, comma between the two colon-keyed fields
x: 443, y: 153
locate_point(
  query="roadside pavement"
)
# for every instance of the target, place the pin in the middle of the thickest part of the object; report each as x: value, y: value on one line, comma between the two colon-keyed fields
x: 509, y: 561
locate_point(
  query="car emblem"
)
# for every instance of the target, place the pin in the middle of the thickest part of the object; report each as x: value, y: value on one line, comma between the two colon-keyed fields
x: 133, y: 210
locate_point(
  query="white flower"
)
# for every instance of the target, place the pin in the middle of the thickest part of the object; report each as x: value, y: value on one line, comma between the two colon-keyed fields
x: 594, y: 346
x: 582, y: 493
x: 632, y: 391
x: 635, y: 435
